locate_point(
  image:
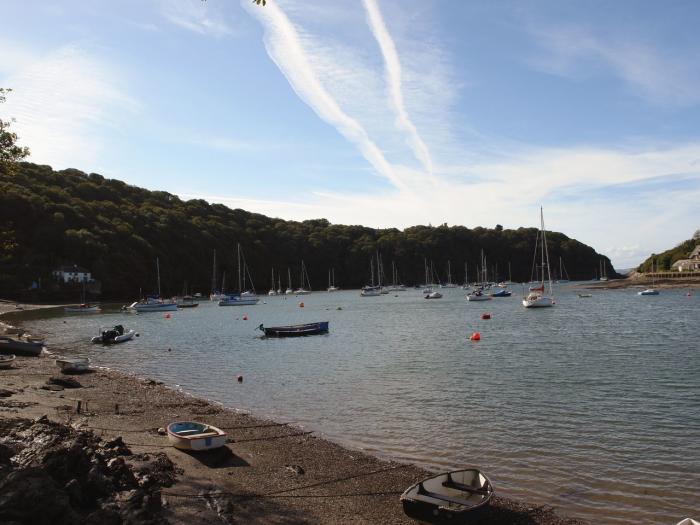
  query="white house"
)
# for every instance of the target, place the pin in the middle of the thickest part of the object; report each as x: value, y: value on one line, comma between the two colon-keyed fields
x: 72, y: 274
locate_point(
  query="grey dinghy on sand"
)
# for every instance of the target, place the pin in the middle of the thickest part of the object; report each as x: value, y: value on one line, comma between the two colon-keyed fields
x: 452, y: 497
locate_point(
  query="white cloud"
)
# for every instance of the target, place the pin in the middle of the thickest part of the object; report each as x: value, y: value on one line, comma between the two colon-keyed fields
x: 205, y: 18
x: 59, y: 100
x: 663, y: 79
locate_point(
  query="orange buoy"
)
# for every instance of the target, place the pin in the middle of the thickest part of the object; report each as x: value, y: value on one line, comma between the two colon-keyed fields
x: 476, y: 336
x: 486, y: 316
x: 245, y: 317
x: 301, y: 305
x: 239, y: 378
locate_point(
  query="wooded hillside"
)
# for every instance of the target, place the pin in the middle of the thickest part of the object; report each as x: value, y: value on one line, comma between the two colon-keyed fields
x: 50, y: 218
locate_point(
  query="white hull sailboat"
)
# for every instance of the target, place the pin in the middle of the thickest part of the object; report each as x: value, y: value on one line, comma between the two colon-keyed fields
x: 371, y: 290
x: 154, y: 303
x: 305, y: 288
x: 652, y: 290
x: 247, y: 298
x: 331, y: 281
x: 537, y: 298
x: 478, y: 294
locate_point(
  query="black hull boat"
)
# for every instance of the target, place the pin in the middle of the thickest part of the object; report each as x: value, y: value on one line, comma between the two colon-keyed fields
x: 460, y: 496
x: 296, y: 330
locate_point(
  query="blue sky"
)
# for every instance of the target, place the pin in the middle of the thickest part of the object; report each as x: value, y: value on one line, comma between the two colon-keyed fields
x: 377, y: 112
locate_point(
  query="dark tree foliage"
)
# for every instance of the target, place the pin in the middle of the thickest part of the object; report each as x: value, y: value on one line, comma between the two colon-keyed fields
x: 50, y: 218
x: 10, y: 152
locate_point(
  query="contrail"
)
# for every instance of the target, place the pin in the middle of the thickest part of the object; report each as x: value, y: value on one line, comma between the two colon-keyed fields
x: 393, y: 78
x: 284, y: 47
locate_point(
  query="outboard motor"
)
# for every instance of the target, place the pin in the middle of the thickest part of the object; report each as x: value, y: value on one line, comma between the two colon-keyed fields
x: 120, y: 329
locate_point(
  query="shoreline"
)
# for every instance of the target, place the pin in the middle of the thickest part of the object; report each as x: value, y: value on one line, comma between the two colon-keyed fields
x: 641, y: 283
x: 286, y: 474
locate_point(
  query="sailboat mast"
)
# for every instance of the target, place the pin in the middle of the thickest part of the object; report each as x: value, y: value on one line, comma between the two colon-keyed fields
x: 240, y: 286
x: 158, y: 273
x: 545, y: 253
x: 213, y: 274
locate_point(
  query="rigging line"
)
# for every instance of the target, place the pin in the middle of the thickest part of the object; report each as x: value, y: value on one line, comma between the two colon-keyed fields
x: 270, y: 496
x: 280, y: 493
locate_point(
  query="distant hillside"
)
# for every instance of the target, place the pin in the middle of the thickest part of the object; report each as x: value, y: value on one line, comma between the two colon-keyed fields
x: 664, y: 260
x: 50, y: 218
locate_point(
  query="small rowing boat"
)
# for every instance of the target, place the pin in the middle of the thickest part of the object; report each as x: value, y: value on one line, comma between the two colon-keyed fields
x: 24, y: 345
x: 83, y: 308
x: 451, y: 497
x: 73, y: 365
x: 190, y: 435
x: 7, y: 360
x: 296, y: 330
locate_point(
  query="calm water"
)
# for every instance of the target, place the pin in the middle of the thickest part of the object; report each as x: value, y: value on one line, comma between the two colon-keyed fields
x: 592, y: 406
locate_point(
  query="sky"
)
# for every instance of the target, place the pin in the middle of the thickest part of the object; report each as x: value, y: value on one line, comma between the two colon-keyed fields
x: 386, y: 113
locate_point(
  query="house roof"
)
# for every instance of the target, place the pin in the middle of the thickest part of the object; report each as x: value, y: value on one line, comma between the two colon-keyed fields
x: 68, y: 268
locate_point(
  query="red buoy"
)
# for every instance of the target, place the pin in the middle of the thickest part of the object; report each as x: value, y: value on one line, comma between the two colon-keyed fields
x: 301, y: 305
x: 476, y: 336
x: 167, y: 316
x: 245, y: 317
x: 486, y: 316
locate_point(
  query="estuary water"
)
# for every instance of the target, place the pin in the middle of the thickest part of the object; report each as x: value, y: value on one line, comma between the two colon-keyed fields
x: 592, y: 406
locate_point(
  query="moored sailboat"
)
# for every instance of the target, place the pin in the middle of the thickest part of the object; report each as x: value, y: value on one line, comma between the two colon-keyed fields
x: 537, y: 298
x: 242, y: 298
x: 154, y: 303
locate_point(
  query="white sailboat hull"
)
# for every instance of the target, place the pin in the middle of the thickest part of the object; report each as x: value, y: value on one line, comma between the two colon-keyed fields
x: 239, y: 301
x: 540, y: 301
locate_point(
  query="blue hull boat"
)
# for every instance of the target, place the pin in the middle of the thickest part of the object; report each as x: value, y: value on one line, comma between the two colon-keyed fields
x: 297, y: 330
x: 502, y: 293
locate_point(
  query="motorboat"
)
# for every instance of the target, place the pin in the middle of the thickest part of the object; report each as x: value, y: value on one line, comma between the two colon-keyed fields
x: 239, y: 300
x: 433, y: 295
x: 73, y: 365
x: 153, y: 303
x: 190, y: 435
x: 477, y: 295
x: 502, y: 293
x: 114, y: 335
x: 649, y: 291
x: 187, y: 301
x: 460, y: 496
x: 371, y: 291
x: 297, y: 330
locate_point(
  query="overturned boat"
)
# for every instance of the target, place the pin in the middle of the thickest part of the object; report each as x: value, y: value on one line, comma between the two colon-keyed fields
x: 452, y: 497
x: 73, y: 365
x: 190, y: 435
x: 116, y: 334
x: 296, y: 330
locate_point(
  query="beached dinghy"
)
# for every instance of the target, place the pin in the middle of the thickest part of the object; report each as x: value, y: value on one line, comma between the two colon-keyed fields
x: 190, y: 435
x: 25, y: 345
x: 7, y: 360
x: 296, y: 330
x: 110, y: 336
x: 451, y: 497
x: 73, y: 365
x: 83, y: 308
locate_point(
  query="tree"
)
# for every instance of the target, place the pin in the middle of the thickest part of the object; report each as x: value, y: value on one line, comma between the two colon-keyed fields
x: 10, y: 152
x: 696, y: 235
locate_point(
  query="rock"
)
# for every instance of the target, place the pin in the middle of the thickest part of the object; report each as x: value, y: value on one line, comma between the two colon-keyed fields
x: 31, y: 496
x: 162, y: 431
x: 6, y: 393
x: 52, y: 388
x: 66, y: 382
x: 74, y: 492
x: 296, y: 469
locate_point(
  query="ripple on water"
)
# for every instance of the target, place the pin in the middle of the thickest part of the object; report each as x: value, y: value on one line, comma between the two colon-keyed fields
x: 591, y: 406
